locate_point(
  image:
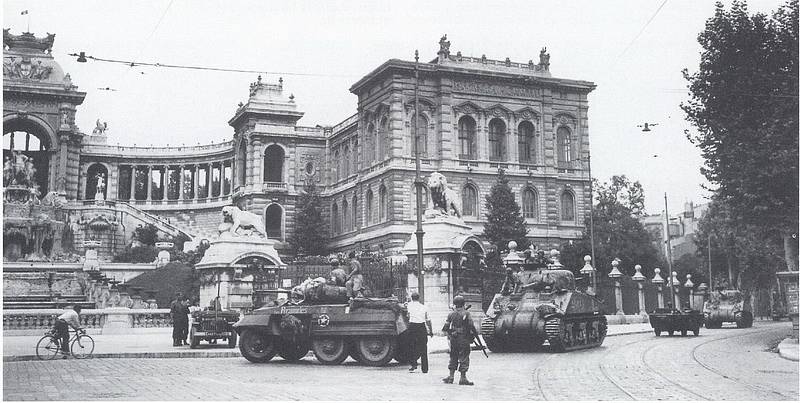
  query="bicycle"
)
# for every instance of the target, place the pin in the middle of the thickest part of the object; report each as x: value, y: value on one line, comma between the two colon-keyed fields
x: 81, y: 345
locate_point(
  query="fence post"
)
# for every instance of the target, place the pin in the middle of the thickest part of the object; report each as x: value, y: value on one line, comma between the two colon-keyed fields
x: 639, y: 279
x: 690, y: 285
x: 616, y: 275
x: 659, y: 281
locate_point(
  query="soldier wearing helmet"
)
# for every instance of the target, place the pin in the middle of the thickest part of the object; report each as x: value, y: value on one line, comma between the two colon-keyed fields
x: 460, y: 331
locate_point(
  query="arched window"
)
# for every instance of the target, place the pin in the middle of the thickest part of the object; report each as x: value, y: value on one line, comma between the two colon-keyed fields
x: 335, y: 219
x: 530, y: 203
x: 354, y: 157
x: 497, y: 140
x: 368, y: 206
x: 97, y: 174
x: 466, y: 138
x: 567, y: 206
x: 527, y: 146
x: 273, y: 164
x: 241, y: 163
x: 383, y: 150
x: 273, y: 220
x: 346, y: 162
x: 369, y: 152
x: 423, y: 135
x: 564, y: 145
x: 30, y: 140
x: 345, y: 216
x: 337, y: 166
x: 354, y: 208
x: 469, y: 200
x: 384, y: 204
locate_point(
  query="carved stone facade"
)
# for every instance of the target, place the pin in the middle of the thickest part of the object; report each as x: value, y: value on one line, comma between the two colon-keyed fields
x: 477, y: 115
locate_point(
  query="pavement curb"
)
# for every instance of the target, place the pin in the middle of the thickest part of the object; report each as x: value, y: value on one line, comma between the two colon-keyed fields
x: 789, y: 349
x: 220, y: 354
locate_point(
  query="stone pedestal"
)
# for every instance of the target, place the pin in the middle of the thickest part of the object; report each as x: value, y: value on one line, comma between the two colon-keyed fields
x: 118, y: 321
x: 230, y: 265
x: 443, y: 246
x: 789, y: 284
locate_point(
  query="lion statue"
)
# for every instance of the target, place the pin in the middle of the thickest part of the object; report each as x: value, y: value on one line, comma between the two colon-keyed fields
x: 443, y: 198
x: 243, y: 219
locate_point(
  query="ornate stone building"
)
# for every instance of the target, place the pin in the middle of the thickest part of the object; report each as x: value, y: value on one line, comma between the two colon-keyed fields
x: 477, y: 116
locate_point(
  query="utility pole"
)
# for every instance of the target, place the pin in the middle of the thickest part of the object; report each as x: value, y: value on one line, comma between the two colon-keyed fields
x: 710, y: 284
x: 591, y: 205
x: 418, y: 184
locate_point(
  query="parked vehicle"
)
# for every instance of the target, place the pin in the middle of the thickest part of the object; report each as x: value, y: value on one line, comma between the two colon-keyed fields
x: 728, y: 306
x: 211, y: 325
x: 672, y: 320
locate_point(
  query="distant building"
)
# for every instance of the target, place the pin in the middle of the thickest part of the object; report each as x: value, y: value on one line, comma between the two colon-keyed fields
x: 477, y: 115
x: 682, y: 229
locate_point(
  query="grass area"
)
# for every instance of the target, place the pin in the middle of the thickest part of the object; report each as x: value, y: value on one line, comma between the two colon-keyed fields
x: 168, y: 280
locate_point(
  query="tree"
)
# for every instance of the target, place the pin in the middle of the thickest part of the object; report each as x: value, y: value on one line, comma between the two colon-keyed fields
x: 504, y: 220
x: 308, y: 237
x: 744, y: 103
x: 618, y: 233
x: 742, y: 255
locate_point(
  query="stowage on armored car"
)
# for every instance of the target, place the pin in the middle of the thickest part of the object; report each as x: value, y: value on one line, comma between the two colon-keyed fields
x: 727, y: 306
x: 543, y: 305
x: 321, y: 319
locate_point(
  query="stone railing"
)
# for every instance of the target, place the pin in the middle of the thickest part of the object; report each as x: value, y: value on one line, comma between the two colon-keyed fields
x: 25, y: 319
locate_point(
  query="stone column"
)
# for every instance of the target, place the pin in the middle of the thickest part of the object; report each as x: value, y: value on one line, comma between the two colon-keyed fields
x: 149, y: 182
x: 62, y: 164
x: 703, y: 288
x: 616, y: 275
x: 659, y: 281
x: 133, y: 183
x: 180, y: 182
x: 675, y: 284
x: 195, y: 181
x: 512, y: 138
x: 639, y: 279
x: 165, y: 183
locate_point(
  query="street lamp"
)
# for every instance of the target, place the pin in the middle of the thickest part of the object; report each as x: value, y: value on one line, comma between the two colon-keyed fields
x: 418, y: 184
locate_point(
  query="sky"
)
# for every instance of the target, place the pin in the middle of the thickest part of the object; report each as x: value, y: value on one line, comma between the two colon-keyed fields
x: 633, y: 50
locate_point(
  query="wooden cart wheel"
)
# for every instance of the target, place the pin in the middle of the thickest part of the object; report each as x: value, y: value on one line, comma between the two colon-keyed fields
x: 330, y: 350
x: 375, y: 351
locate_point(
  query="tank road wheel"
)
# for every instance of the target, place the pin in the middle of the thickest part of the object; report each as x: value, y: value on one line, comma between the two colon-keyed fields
x: 744, y: 319
x: 657, y: 331
x: 329, y: 350
x: 291, y: 351
x: 375, y: 351
x: 257, y: 346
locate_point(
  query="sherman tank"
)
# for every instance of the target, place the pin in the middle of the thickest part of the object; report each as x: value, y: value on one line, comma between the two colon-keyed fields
x: 319, y: 317
x: 727, y: 306
x: 542, y: 305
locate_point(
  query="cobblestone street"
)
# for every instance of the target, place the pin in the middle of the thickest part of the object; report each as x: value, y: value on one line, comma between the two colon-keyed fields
x: 724, y: 364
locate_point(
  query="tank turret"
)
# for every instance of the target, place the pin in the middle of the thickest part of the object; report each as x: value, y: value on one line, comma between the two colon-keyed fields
x: 539, y: 302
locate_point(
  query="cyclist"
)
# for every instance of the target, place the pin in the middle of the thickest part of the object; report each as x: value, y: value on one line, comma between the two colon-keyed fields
x: 69, y: 318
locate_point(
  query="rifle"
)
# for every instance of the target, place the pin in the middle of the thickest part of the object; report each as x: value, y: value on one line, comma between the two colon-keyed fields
x: 477, y: 339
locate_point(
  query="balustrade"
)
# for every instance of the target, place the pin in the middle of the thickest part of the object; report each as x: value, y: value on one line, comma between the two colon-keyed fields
x: 14, y: 319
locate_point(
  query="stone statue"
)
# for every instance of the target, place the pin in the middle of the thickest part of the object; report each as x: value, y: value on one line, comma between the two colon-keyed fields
x: 443, y: 199
x: 100, y: 187
x: 19, y: 170
x: 544, y: 57
x: 100, y: 128
x: 242, y: 219
x: 444, y: 45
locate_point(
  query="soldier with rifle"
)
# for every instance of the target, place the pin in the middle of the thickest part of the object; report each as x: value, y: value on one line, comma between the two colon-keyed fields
x: 460, y: 332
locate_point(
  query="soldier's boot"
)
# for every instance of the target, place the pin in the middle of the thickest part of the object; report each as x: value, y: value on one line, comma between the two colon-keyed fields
x: 449, y: 379
x: 464, y: 380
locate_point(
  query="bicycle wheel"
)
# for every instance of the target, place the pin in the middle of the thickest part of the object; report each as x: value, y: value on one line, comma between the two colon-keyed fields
x: 47, y: 348
x: 82, y: 346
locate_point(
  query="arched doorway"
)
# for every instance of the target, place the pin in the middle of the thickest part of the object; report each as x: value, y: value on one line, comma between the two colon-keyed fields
x: 96, y: 174
x: 273, y: 164
x: 31, y: 140
x: 273, y: 220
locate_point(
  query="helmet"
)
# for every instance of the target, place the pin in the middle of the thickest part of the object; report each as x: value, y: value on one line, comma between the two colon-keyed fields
x: 458, y: 301
x: 415, y: 296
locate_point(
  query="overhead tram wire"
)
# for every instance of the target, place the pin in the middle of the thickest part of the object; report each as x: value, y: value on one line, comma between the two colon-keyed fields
x: 640, y: 31
x: 82, y: 55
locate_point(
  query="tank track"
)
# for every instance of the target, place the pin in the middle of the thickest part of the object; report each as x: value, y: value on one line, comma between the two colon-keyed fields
x: 575, y: 332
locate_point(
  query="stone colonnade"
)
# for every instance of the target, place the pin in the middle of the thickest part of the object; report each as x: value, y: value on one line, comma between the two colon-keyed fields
x: 193, y: 182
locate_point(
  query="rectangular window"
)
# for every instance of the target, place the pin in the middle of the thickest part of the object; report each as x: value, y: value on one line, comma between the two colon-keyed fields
x: 216, y: 180
x: 228, y: 178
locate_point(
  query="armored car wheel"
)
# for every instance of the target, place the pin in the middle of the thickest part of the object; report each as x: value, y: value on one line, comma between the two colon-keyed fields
x: 329, y: 350
x: 290, y: 351
x: 375, y: 351
x: 257, y: 346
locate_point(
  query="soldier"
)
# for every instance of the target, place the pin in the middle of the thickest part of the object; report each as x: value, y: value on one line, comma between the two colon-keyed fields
x: 338, y: 276
x: 460, y: 332
x: 177, y: 312
x: 510, y: 283
x: 354, y: 278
